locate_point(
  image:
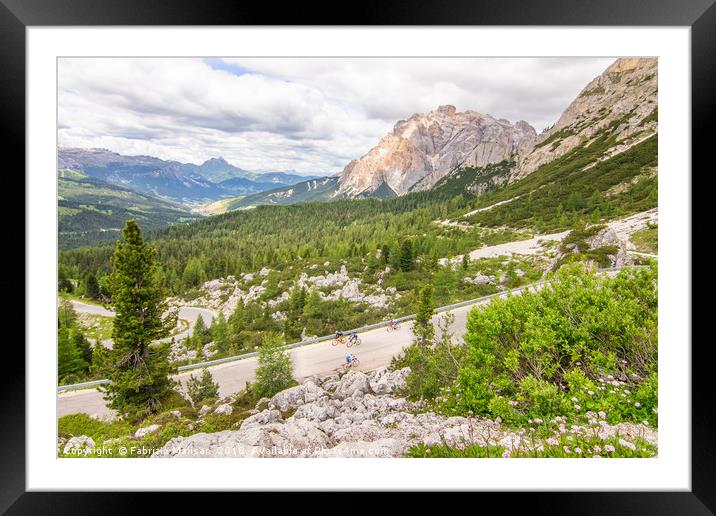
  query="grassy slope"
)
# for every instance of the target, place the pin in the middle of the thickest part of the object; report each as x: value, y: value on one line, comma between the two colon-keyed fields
x: 559, y: 193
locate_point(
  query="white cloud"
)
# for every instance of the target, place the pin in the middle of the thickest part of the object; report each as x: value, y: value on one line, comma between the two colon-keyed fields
x: 306, y: 114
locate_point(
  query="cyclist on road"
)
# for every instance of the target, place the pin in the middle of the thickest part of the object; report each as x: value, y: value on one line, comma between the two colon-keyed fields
x: 353, y: 337
x: 349, y: 358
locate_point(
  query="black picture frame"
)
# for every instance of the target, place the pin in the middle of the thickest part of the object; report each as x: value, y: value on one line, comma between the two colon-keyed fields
x: 700, y: 15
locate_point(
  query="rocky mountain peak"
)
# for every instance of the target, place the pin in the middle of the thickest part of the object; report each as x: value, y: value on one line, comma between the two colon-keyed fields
x: 425, y: 147
x: 215, y: 162
x: 447, y: 109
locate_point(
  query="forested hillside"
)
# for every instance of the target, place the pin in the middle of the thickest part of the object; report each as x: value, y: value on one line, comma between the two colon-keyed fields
x: 91, y: 210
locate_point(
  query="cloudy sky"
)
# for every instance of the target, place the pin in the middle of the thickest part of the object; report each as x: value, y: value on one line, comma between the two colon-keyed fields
x: 307, y: 115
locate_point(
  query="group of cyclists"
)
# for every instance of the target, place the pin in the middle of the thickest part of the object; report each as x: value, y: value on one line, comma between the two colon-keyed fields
x: 352, y: 339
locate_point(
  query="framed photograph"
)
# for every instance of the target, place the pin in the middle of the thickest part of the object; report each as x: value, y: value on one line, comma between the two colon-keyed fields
x: 445, y: 249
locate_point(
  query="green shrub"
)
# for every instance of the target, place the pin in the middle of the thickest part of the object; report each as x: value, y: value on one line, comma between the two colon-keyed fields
x: 83, y: 424
x: 579, y: 446
x: 583, y: 342
x: 275, y: 370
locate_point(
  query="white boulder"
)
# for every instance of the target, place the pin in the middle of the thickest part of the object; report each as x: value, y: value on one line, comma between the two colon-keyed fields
x: 146, y: 430
x: 296, y: 396
x: 224, y: 409
x: 78, y: 445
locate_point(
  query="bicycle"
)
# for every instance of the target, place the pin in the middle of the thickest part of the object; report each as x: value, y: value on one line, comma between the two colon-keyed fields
x: 393, y: 327
x: 338, y: 340
x: 353, y: 340
x: 353, y: 363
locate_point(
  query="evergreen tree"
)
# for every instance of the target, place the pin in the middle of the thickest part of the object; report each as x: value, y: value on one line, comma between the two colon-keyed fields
x: 312, y: 308
x: 219, y: 333
x: 63, y: 279
x: 91, y: 286
x: 201, y: 331
x: 394, y: 257
x: 202, y: 387
x: 193, y: 274
x: 66, y: 315
x: 69, y: 358
x: 74, y: 353
x: 423, y: 328
x: 406, y: 256
x: 82, y: 345
x: 236, y: 324
x: 465, y: 262
x: 138, y: 370
x: 385, y: 254
x: 296, y: 303
x: 275, y: 369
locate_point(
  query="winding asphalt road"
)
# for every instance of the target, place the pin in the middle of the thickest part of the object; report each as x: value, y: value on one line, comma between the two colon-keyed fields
x: 188, y: 313
x: 377, y: 349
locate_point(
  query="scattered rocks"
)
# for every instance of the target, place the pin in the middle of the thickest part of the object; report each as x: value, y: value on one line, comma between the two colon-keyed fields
x: 146, y: 430
x: 78, y: 445
x: 105, y: 418
x: 479, y: 279
x: 204, y: 410
x: 224, y: 409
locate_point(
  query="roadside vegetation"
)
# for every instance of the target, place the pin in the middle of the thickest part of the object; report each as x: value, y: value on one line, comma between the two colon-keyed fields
x: 581, y: 350
x: 195, y: 407
x: 138, y: 374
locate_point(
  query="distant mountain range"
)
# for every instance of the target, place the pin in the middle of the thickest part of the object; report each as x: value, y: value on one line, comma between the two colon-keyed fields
x: 183, y: 183
x: 99, y: 189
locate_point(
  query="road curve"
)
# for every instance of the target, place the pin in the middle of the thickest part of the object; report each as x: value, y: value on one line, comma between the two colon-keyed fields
x: 188, y: 313
x: 377, y: 349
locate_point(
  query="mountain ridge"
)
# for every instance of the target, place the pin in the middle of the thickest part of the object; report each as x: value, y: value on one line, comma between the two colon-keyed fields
x: 186, y: 183
x: 626, y: 92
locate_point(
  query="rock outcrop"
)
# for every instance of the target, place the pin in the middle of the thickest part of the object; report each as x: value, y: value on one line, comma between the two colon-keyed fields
x: 425, y: 147
x: 355, y: 415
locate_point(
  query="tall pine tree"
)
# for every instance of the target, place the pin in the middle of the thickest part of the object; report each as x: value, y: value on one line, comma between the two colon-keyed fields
x: 423, y: 328
x: 406, y: 256
x: 91, y: 286
x: 138, y: 368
